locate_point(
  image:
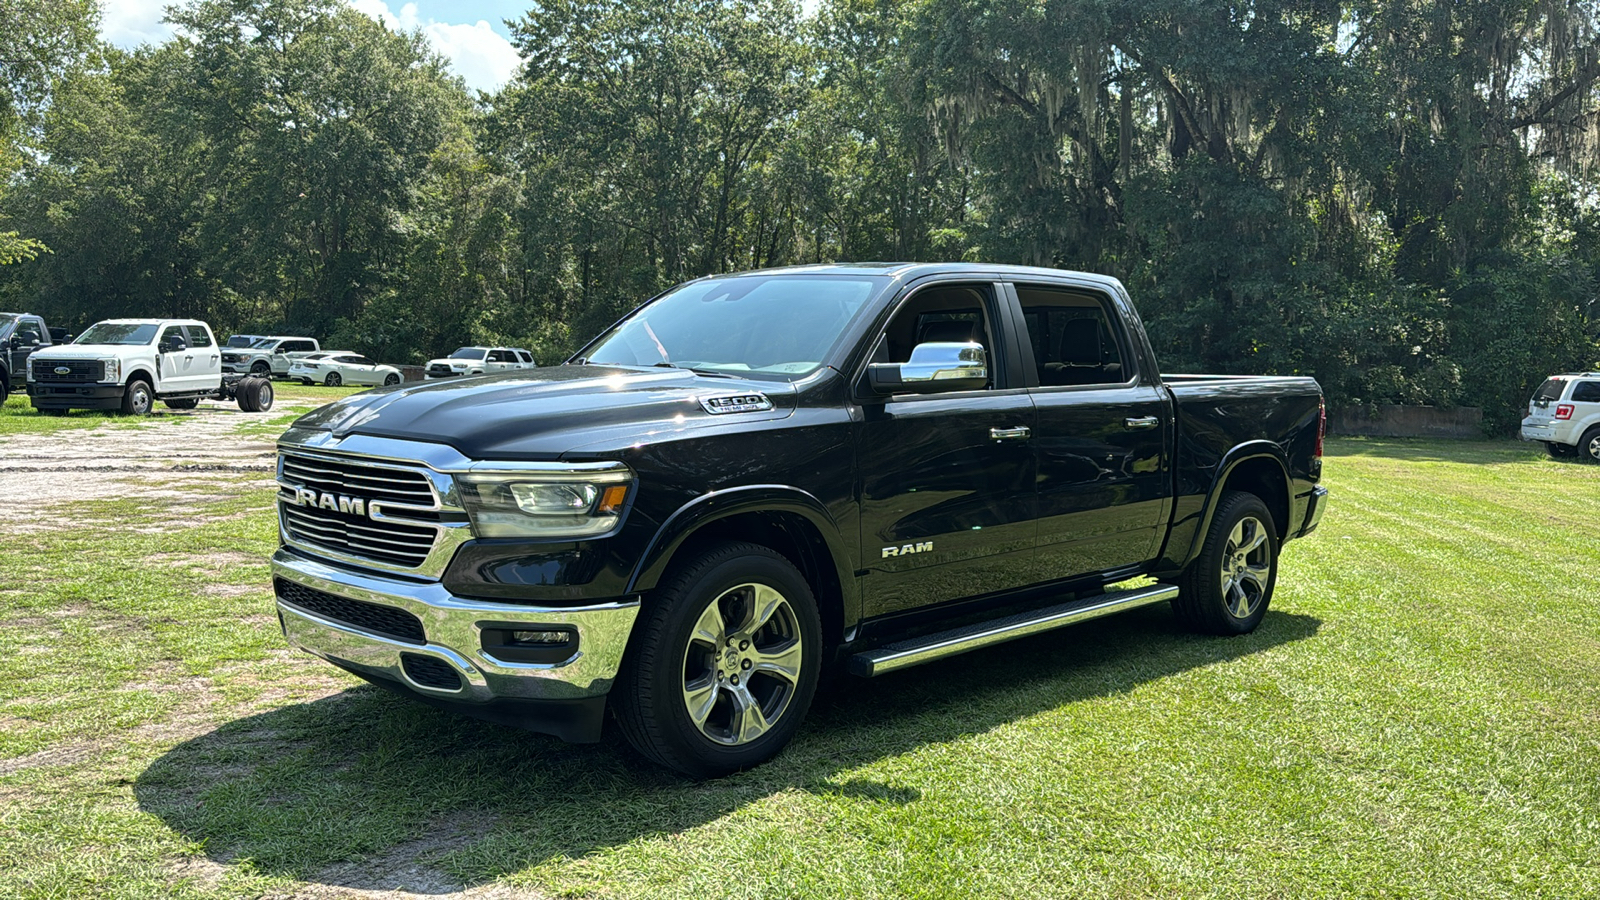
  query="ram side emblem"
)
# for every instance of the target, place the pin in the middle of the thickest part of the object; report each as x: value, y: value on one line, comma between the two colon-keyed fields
x: 908, y: 549
x: 736, y: 404
x: 350, y: 506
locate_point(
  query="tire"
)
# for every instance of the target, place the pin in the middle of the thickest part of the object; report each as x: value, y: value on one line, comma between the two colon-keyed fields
x: 680, y: 703
x: 333, y: 380
x: 137, y: 398
x: 1228, y: 587
x: 263, y: 395
x: 391, y: 379
x: 1559, y: 451
x: 244, y: 394
x: 1589, y: 445
x: 306, y: 381
x: 260, y: 369
x: 190, y: 403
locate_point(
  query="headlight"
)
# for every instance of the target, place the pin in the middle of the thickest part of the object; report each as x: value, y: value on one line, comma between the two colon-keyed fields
x: 111, y: 370
x: 29, y: 376
x: 555, y: 502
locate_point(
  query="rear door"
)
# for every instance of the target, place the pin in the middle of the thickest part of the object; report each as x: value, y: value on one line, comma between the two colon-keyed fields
x: 946, y: 480
x: 207, y: 357
x: 1104, y: 432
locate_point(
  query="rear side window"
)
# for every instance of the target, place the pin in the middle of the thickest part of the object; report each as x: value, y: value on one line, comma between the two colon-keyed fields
x: 1072, y: 337
x: 295, y: 347
x: 1550, y: 390
x: 1586, y: 392
x: 525, y: 356
x: 198, y: 336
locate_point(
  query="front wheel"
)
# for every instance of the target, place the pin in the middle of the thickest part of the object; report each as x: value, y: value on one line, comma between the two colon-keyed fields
x: 1227, y: 588
x: 391, y: 379
x: 137, y: 398
x: 260, y: 369
x: 333, y: 380
x: 723, y: 664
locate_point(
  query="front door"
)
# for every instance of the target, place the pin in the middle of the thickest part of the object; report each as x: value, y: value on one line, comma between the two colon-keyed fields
x: 946, y: 480
x: 176, y: 358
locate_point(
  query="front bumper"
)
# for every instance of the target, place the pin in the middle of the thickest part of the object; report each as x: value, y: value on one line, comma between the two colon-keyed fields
x: 75, y: 396
x: 565, y: 698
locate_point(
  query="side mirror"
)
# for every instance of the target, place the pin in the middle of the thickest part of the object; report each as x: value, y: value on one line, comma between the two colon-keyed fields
x: 175, y: 345
x: 934, y: 368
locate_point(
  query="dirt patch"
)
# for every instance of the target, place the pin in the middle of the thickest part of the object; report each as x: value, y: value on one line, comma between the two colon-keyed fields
x: 53, y: 756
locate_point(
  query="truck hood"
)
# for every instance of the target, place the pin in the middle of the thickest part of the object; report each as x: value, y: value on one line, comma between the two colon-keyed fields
x: 544, y: 413
x: 95, y: 351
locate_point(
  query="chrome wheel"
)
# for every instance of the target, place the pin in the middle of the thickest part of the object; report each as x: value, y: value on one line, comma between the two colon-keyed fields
x: 1246, y: 567
x: 742, y: 664
x: 1591, y: 445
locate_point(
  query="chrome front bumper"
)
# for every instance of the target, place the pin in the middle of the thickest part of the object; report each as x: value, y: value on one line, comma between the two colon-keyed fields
x: 453, y: 634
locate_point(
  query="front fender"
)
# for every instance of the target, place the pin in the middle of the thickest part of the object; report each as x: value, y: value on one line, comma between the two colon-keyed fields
x: 760, y: 498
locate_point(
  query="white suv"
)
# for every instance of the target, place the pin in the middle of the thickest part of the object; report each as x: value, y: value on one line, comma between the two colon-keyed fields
x: 480, y: 361
x: 1565, y: 414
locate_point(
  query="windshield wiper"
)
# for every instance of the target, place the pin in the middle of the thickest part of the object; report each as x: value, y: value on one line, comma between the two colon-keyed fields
x: 695, y: 369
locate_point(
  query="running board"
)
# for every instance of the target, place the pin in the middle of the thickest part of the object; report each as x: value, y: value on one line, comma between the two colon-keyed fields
x: 904, y: 654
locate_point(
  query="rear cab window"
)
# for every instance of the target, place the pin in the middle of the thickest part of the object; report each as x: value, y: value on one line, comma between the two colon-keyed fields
x: 1074, y: 337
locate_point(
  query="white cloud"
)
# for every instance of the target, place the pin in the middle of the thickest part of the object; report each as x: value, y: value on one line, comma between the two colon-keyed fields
x: 129, y: 23
x: 477, y: 52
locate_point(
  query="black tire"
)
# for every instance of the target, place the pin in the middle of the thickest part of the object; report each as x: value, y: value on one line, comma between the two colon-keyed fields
x: 190, y: 403
x: 137, y: 398
x: 1228, y: 587
x: 1559, y: 451
x: 333, y: 380
x: 260, y: 369
x: 391, y: 379
x: 263, y: 395
x: 1589, y: 445
x: 694, y: 641
x: 307, y: 382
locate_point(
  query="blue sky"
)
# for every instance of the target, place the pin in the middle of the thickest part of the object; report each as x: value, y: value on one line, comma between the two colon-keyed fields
x: 470, y: 33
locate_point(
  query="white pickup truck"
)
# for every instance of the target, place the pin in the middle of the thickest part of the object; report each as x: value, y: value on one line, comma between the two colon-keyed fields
x: 128, y: 364
x: 268, y: 356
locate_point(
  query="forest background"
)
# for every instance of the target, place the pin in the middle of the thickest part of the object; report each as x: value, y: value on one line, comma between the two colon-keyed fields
x: 1396, y: 196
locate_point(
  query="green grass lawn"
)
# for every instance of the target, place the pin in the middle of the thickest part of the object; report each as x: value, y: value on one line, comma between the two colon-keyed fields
x: 1419, y: 716
x: 17, y: 415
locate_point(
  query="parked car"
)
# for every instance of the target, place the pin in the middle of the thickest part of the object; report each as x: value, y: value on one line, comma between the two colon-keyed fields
x: 269, y: 356
x: 21, y: 336
x: 756, y: 477
x: 480, y: 361
x: 1564, y: 414
x: 240, y: 341
x: 128, y: 364
x: 334, y: 368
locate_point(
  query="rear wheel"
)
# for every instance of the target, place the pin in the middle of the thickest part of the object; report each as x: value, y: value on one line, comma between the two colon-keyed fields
x: 333, y: 380
x: 723, y: 664
x: 1589, y: 445
x: 1226, y: 589
x: 1559, y: 451
x: 263, y: 395
x: 137, y: 398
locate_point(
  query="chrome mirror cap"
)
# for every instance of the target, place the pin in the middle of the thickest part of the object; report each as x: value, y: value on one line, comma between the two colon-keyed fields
x: 935, y: 367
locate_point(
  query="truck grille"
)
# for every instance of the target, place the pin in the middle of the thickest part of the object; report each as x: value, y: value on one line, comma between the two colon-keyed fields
x: 333, y: 522
x: 373, y: 617
x: 439, y: 370
x: 81, y: 370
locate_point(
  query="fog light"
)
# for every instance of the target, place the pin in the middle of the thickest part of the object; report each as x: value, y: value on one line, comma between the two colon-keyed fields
x: 539, y: 637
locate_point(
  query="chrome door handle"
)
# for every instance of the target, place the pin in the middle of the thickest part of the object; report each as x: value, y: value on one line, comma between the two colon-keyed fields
x: 1142, y: 422
x: 1019, y: 433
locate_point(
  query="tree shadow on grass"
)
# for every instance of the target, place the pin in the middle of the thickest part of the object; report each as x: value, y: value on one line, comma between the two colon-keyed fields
x: 367, y: 790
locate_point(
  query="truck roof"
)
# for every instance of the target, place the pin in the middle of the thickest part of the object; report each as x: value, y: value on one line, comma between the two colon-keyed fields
x: 911, y: 270
x: 156, y: 321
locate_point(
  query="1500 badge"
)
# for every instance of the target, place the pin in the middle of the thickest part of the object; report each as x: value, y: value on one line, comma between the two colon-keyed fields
x: 907, y: 549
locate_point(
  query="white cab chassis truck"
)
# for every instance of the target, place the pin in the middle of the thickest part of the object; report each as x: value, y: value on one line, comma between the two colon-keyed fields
x: 129, y: 364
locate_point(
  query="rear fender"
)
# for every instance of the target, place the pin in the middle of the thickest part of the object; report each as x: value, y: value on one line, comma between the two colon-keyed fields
x: 1259, y: 455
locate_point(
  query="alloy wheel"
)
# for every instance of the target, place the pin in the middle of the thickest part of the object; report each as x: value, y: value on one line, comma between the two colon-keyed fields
x: 1246, y: 567
x: 742, y: 664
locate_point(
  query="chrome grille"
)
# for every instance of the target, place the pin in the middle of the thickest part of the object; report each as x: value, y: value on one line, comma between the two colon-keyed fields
x: 402, y: 533
x: 82, y: 369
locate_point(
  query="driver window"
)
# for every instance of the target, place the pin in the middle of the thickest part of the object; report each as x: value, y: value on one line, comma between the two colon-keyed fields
x: 28, y: 332
x: 171, y: 333
x: 946, y: 313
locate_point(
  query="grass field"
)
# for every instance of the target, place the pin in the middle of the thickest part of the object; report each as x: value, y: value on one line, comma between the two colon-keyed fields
x: 1419, y: 716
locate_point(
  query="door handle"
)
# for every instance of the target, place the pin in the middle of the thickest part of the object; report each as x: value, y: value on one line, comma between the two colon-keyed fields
x: 1142, y: 422
x: 1019, y: 433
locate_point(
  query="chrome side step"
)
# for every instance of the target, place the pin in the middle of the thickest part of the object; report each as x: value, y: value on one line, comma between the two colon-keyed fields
x: 930, y: 647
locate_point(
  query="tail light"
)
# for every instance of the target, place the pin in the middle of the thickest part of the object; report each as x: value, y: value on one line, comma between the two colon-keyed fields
x: 1322, y: 424
x: 1564, y: 411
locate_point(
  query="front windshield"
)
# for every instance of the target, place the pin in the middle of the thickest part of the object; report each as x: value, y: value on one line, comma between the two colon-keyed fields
x: 240, y: 341
x: 781, y: 325
x: 118, y: 333
x: 468, y: 353
x: 264, y: 344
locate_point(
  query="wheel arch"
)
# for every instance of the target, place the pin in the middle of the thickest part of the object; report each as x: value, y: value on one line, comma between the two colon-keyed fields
x: 787, y: 520
x: 1257, y: 467
x: 140, y: 373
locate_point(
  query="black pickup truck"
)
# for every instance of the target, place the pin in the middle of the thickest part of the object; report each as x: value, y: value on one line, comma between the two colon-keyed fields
x: 755, y: 478
x: 21, y: 334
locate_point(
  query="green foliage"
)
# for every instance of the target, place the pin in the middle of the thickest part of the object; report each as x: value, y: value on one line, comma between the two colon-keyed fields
x: 1394, y: 197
